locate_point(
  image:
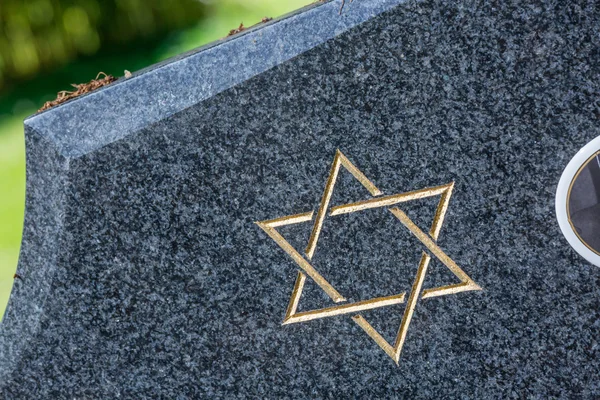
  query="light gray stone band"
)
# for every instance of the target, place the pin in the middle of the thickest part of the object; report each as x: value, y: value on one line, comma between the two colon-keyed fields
x: 88, y: 123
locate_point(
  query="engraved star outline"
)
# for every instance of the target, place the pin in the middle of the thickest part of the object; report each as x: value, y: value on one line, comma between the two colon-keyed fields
x: 429, y: 240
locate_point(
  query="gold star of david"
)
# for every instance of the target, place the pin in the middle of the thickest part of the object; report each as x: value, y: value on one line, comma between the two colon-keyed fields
x: 429, y: 240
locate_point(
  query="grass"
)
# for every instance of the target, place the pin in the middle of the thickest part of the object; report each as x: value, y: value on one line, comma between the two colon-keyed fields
x: 25, y: 99
x: 12, y: 199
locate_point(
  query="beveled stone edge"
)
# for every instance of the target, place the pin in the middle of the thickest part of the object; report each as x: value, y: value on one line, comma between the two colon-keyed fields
x: 40, y: 253
x: 111, y: 113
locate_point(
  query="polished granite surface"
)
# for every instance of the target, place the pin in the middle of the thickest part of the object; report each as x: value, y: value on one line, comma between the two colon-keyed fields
x: 164, y: 247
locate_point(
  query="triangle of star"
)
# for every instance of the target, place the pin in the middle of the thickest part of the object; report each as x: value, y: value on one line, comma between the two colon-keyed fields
x: 378, y: 200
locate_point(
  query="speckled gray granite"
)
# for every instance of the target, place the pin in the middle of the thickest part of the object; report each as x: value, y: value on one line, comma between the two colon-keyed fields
x: 167, y: 88
x: 144, y: 274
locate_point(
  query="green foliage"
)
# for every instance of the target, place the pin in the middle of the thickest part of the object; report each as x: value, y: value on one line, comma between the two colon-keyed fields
x: 40, y: 35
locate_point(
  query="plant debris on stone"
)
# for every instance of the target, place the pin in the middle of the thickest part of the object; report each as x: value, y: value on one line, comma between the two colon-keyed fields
x: 81, y: 88
x: 242, y: 28
x: 237, y: 30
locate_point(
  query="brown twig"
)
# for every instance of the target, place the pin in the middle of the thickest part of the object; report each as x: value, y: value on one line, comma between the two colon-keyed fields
x: 343, y: 4
x: 237, y: 30
x: 81, y: 88
x: 242, y: 28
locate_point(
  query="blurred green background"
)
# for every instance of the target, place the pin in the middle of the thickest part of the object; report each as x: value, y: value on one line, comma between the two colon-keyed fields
x: 46, y: 45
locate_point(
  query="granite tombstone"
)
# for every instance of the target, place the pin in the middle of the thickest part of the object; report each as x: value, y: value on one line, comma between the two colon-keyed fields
x: 331, y: 205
